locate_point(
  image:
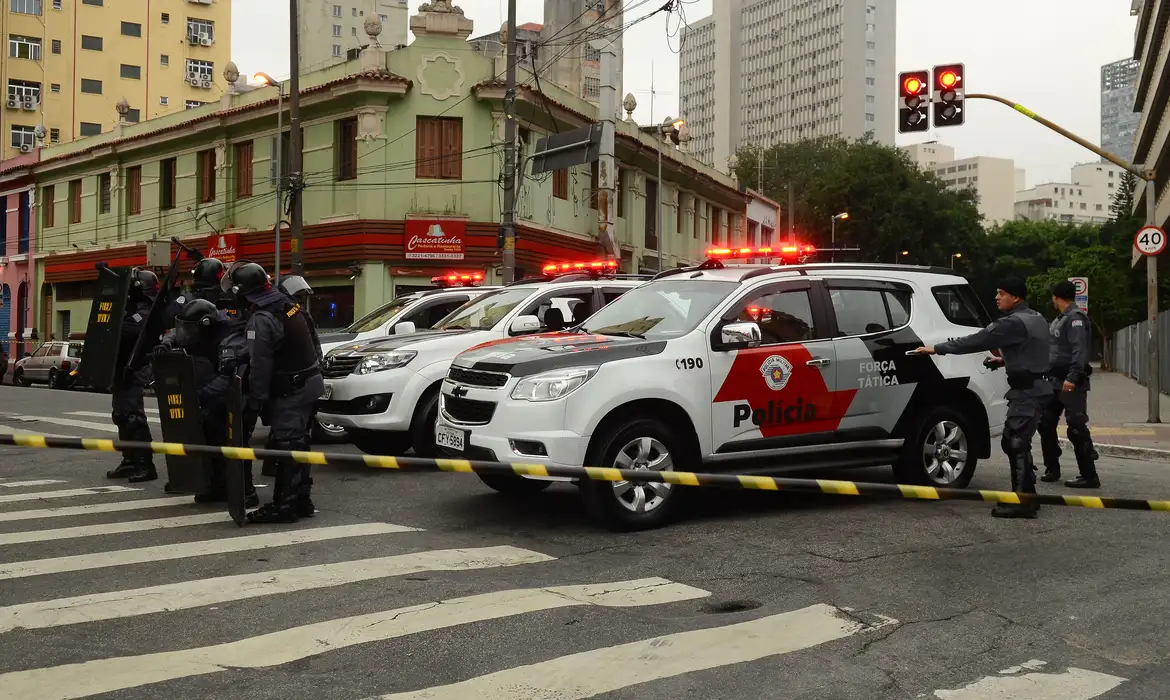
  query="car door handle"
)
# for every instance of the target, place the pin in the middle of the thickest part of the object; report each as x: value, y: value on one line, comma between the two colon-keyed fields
x: 818, y: 362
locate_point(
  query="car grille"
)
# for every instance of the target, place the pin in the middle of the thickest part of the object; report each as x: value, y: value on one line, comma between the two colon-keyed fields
x: 472, y: 377
x: 468, y: 410
x: 338, y: 367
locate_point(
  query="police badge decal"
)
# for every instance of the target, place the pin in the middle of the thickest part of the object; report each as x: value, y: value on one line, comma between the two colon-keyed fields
x: 777, y: 370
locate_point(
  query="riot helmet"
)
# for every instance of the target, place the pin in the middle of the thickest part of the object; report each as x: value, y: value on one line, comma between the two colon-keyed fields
x: 243, y: 278
x: 195, y: 316
x: 207, y: 274
x: 144, y: 282
x: 296, y: 287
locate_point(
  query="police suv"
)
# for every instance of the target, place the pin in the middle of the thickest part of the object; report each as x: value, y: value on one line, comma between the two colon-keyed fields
x: 746, y: 367
x: 385, y: 392
x: 404, y: 315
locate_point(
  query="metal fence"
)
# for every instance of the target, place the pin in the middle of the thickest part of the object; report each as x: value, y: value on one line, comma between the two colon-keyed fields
x: 1130, y: 356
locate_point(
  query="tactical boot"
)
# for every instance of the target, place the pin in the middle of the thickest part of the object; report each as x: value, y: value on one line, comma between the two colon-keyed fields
x: 305, y: 507
x: 251, y: 499
x: 274, y: 513
x: 145, y: 471
x: 1082, y: 482
x: 123, y: 470
x: 1051, y: 474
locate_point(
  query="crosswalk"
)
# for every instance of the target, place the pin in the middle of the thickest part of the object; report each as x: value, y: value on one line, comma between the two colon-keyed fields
x: 75, y: 575
x: 75, y: 423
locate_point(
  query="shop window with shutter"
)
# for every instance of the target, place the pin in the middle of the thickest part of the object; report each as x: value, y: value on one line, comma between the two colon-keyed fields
x: 75, y: 201
x: 207, y: 176
x: 48, y: 199
x: 243, y: 163
x: 134, y: 190
x: 561, y: 183
x: 167, y: 183
x: 439, y: 148
x: 347, y: 150
x: 104, y: 193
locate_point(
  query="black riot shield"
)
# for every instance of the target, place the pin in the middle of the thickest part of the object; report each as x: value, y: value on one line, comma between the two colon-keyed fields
x: 178, y: 411
x: 103, y: 335
x: 234, y: 470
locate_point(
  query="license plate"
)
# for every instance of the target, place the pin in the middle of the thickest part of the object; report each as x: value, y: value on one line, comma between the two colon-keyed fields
x: 450, y: 438
x: 327, y: 393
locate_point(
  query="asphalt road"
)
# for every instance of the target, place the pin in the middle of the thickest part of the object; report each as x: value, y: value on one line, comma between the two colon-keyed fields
x: 409, y: 581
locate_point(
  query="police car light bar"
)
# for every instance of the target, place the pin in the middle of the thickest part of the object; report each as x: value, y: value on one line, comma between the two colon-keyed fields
x: 597, y: 266
x: 457, y: 279
x: 786, y: 251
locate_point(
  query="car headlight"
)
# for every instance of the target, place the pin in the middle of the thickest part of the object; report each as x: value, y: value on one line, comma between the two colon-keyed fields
x: 384, y: 361
x: 551, y: 386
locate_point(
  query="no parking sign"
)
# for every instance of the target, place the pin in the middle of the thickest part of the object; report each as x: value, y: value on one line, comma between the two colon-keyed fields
x: 1082, y: 286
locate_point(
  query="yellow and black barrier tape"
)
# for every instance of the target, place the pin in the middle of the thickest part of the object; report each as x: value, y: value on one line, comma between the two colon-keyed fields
x: 734, y: 481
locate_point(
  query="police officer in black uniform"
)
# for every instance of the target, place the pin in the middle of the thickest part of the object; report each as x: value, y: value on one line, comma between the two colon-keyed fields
x: 1022, y: 335
x: 131, y: 379
x: 284, y: 382
x: 1070, y: 332
x: 299, y: 291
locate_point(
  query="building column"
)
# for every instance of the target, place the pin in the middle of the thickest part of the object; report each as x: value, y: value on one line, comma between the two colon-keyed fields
x: 371, y: 289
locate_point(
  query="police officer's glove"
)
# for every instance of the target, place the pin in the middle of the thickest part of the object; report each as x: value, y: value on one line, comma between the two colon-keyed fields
x: 993, y: 363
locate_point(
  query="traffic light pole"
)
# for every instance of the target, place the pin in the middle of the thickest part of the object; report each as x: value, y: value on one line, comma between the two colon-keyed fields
x: 1154, y: 382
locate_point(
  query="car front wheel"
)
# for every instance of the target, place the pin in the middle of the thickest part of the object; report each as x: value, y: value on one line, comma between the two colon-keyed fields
x: 940, y: 452
x: 641, y: 444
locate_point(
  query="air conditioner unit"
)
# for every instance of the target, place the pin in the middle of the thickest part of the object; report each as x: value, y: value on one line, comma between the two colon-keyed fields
x: 192, y: 75
x: 195, y: 81
x: 30, y: 105
x: 207, y: 83
x: 13, y: 104
x: 205, y: 40
x: 192, y: 38
x: 25, y: 148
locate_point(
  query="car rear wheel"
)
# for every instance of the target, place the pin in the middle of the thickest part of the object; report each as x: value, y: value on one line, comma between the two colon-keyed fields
x: 641, y: 444
x: 422, y: 426
x: 18, y: 378
x: 940, y: 451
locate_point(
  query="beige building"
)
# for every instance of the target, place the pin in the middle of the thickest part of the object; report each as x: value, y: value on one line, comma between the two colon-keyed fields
x: 70, y: 62
x: 1153, y: 90
x: 570, y: 61
x: 333, y: 31
x: 760, y: 72
x: 995, y: 180
x: 1084, y: 200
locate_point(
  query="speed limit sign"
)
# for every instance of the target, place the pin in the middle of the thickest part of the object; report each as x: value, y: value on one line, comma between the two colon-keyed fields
x: 1150, y: 240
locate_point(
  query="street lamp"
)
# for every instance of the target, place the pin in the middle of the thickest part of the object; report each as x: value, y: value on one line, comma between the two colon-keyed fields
x: 669, y: 126
x: 265, y: 79
x: 953, y: 256
x: 844, y: 216
x: 900, y: 255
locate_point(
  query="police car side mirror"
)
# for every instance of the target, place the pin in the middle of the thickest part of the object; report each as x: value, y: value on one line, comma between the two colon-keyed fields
x: 735, y: 336
x: 524, y: 324
x: 404, y: 328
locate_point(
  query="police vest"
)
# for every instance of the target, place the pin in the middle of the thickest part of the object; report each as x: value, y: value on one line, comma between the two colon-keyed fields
x: 297, y: 352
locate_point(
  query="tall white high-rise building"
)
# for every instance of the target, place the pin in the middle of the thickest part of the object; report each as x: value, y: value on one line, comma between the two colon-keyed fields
x: 760, y: 72
x: 1119, y: 121
x: 331, y: 31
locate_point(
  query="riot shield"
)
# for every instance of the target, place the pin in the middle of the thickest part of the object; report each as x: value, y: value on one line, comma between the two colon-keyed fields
x: 103, y: 335
x: 178, y: 411
x: 236, y: 437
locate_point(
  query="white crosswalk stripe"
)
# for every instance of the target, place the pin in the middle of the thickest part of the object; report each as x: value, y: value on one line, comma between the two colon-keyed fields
x: 34, y: 482
x: 585, y: 671
x: 106, y: 414
x: 107, y: 427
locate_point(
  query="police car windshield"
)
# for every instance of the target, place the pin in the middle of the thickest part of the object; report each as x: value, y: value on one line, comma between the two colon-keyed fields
x: 660, y: 310
x: 373, y: 320
x: 484, y: 312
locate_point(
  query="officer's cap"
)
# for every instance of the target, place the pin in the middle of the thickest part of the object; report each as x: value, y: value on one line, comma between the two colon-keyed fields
x: 1064, y: 289
x: 1014, y: 286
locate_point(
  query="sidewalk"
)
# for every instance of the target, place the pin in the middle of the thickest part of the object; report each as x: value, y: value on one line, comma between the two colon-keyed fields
x: 1118, y: 409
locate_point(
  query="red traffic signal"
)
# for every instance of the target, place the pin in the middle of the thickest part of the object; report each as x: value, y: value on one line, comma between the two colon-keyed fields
x: 948, y: 94
x: 913, y: 105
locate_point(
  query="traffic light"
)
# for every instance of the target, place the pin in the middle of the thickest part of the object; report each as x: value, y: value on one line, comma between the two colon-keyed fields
x: 913, y: 106
x: 948, y: 94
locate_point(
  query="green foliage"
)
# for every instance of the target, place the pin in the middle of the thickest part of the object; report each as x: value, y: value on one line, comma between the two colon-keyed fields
x: 892, y: 204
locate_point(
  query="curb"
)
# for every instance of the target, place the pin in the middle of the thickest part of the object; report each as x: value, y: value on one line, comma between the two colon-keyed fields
x: 1145, y: 454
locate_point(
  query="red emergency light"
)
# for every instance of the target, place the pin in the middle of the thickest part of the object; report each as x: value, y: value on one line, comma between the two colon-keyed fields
x: 596, y: 266
x: 786, y: 251
x: 458, y: 279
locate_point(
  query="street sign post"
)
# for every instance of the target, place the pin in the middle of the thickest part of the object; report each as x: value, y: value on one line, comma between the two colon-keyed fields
x: 1150, y: 240
x: 1082, y: 287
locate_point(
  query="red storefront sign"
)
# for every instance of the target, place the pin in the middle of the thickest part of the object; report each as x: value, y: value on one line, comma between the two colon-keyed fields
x: 434, y: 239
x: 223, y: 247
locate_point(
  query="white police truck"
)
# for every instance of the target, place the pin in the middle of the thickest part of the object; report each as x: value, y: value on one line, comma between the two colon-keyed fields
x: 747, y: 367
x: 385, y: 392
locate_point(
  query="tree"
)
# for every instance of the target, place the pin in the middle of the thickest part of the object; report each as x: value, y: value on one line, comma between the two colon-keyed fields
x: 892, y: 204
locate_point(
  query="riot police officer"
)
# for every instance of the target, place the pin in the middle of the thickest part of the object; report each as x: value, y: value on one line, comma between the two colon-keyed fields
x: 206, y: 276
x: 1022, y: 335
x: 284, y: 381
x: 206, y: 334
x: 1070, y: 332
x: 132, y: 377
x: 298, y: 289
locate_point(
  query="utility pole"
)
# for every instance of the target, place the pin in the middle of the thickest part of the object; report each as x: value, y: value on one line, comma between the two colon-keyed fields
x: 279, y: 177
x: 509, y: 213
x: 791, y: 216
x: 606, y: 162
x: 296, y: 176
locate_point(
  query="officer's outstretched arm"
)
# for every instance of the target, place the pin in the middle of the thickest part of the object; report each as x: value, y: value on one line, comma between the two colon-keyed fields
x: 1003, y: 332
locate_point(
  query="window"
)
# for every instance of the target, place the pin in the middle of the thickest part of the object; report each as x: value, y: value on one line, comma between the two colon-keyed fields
x: 48, y: 200
x: 133, y: 116
x: 134, y: 190
x: 56, y: 4
x: 592, y: 54
x: 439, y: 148
x: 91, y: 43
x: 336, y: 50
x: 164, y: 101
x: 337, y: 30
x: 95, y: 3
x: 199, y: 30
x: 865, y: 311
x: 89, y: 129
x: 131, y: 72
x: 131, y: 29
x: 783, y: 316
x: 75, y: 201
x: 164, y: 60
x: 166, y: 183
x: 194, y: 104
x: 23, y: 91
x: 200, y: 70
x: 27, y: 7
x: 56, y: 46
x: 23, y: 136
x: 243, y: 163
x: 337, y: 10
x: 91, y: 86
x: 104, y: 193
x: 24, y: 47
x: 961, y: 307
x: 166, y: 18
x: 660, y: 310
x: 206, y: 167
x: 54, y: 135
x: 347, y: 150
x: 560, y: 182
x: 562, y: 309
x: 354, y: 10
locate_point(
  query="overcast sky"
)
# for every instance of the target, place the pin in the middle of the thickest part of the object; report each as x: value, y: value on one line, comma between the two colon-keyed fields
x: 1045, y: 54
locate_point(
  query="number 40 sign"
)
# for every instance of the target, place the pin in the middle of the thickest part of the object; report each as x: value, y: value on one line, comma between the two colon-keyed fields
x: 1150, y: 240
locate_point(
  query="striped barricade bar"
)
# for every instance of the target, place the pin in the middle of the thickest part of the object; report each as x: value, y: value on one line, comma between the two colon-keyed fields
x: 732, y: 481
